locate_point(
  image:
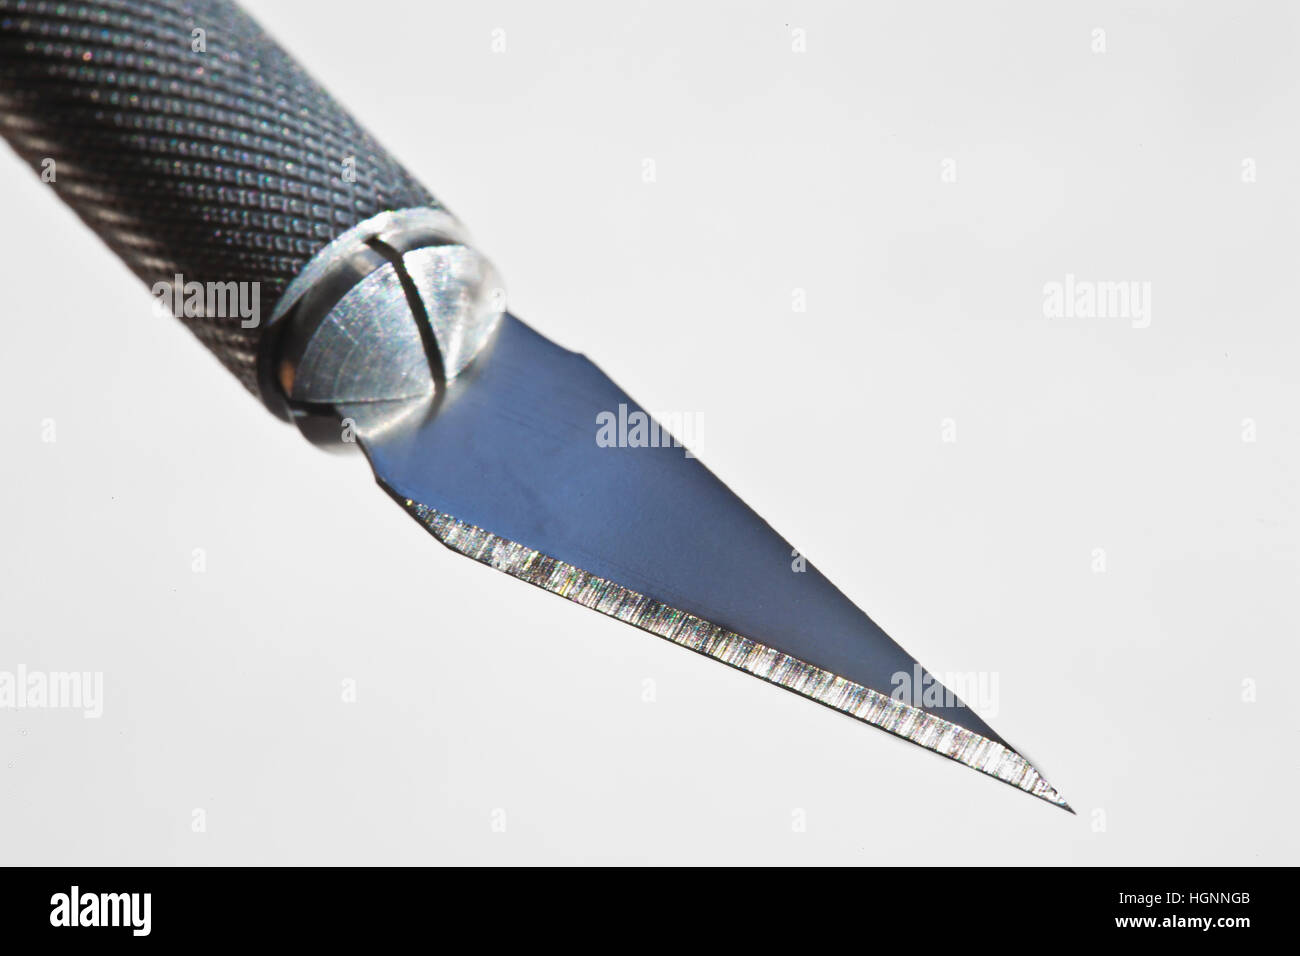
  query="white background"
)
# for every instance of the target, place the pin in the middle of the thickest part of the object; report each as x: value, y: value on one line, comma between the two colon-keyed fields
x: 776, y: 171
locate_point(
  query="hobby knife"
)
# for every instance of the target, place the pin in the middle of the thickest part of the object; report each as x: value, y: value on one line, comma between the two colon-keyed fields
x: 354, y: 305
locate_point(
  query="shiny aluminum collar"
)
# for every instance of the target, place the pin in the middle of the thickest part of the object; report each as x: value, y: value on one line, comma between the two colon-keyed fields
x: 389, y: 311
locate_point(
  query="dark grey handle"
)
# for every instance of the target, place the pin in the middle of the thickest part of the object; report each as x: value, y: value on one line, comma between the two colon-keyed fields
x: 193, y: 145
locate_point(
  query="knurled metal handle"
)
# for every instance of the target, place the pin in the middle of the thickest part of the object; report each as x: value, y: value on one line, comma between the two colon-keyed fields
x: 194, y: 146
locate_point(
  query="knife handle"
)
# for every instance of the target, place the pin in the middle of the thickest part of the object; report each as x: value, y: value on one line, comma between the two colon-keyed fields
x: 194, y: 146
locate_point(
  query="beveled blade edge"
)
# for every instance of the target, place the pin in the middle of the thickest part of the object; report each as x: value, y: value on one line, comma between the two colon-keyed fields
x: 759, y: 660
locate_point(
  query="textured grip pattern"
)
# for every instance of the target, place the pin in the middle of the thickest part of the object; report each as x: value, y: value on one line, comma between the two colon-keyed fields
x: 222, y: 165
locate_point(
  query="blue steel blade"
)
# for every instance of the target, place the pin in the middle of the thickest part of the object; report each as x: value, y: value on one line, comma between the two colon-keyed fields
x: 512, y: 449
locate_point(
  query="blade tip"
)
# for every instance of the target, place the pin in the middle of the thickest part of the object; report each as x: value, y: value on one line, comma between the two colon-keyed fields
x: 1053, y: 796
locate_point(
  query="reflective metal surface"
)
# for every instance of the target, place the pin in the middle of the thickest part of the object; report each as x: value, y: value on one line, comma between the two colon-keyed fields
x: 386, y: 225
x: 704, y: 637
x: 367, y: 346
x: 647, y: 534
x: 463, y: 297
x: 391, y: 310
